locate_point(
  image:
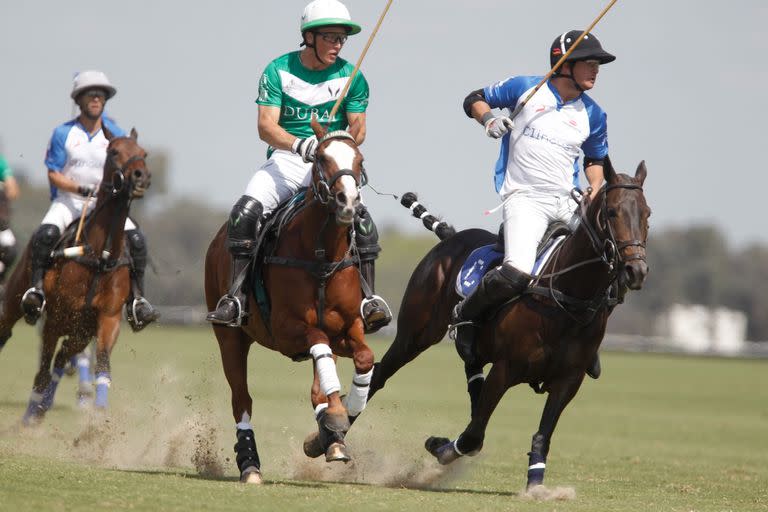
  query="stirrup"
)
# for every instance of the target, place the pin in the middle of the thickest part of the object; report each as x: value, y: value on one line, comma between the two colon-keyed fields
x: 39, y: 310
x: 452, y: 328
x: 376, y: 324
x: 239, y: 314
x: 133, y: 318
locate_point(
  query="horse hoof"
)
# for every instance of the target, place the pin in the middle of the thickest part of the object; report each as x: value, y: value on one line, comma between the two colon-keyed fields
x: 251, y: 475
x: 337, y: 452
x: 442, y: 449
x: 313, y: 448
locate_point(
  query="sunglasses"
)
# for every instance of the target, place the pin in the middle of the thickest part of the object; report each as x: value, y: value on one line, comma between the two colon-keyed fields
x: 95, y: 94
x: 333, y: 37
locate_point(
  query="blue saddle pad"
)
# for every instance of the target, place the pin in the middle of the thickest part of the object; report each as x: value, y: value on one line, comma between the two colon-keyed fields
x: 480, y: 261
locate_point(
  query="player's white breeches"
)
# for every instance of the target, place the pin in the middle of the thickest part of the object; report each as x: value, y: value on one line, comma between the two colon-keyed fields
x: 66, y: 209
x: 526, y: 217
x: 278, y: 179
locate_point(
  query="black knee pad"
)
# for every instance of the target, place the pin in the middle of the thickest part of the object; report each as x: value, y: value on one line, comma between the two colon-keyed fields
x: 137, y: 243
x: 243, y: 225
x: 8, y: 254
x: 366, y: 235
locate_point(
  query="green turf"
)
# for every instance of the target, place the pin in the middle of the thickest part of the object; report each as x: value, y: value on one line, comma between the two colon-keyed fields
x: 654, y: 433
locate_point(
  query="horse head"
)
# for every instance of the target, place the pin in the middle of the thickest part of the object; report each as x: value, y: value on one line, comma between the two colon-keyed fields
x: 337, y: 172
x: 623, y: 220
x: 126, y: 171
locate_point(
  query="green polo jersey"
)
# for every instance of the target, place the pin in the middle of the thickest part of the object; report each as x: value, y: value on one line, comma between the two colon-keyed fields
x: 5, y: 171
x: 300, y: 92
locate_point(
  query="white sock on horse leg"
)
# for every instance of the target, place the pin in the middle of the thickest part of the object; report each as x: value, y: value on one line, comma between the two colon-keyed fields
x: 358, y: 393
x: 320, y: 408
x: 326, y: 368
x: 245, y: 422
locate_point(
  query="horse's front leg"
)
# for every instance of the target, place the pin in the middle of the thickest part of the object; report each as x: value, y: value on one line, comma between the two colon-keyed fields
x: 330, y: 413
x: 106, y: 335
x: 560, y: 394
x: 44, y: 386
x: 470, y: 442
x: 234, y: 346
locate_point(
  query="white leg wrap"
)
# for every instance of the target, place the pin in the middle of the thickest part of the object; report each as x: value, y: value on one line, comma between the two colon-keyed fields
x: 320, y: 408
x: 245, y: 422
x: 358, y: 393
x: 326, y: 368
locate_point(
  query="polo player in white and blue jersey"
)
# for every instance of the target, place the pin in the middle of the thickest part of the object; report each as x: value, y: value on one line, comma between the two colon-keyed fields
x: 75, y: 161
x: 538, y: 163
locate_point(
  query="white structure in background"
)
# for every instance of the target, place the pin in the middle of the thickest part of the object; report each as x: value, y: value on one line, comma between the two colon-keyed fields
x: 698, y: 328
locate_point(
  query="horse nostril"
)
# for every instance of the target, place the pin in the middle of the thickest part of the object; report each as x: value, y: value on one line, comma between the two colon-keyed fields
x: 138, y: 173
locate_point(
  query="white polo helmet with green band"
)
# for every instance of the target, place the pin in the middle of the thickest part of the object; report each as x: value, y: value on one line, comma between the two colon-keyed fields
x: 323, y: 13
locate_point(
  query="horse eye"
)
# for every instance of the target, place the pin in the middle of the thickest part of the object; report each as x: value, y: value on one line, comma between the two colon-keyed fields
x: 612, y: 212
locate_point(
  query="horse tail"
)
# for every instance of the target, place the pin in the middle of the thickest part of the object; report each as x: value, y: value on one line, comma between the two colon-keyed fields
x: 441, y: 228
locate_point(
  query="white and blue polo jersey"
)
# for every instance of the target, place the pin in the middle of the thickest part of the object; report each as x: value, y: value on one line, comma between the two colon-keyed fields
x: 73, y: 152
x: 542, y: 151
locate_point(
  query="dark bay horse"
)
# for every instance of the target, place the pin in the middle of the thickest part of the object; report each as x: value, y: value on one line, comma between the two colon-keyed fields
x: 314, y: 291
x: 550, y: 335
x: 86, y: 285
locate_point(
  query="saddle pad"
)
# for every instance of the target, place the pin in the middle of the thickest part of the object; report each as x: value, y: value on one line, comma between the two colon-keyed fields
x: 545, y: 253
x: 483, y: 259
x: 480, y: 261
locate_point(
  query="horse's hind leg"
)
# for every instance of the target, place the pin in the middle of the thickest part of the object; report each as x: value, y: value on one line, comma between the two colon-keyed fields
x: 44, y: 385
x: 560, y: 394
x: 234, y: 346
x: 470, y: 442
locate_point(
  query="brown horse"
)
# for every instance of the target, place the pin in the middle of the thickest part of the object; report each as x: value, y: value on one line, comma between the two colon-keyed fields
x: 550, y: 335
x: 86, y: 285
x: 314, y: 291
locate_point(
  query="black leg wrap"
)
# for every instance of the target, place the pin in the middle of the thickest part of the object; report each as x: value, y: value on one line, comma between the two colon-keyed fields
x: 469, y: 444
x: 537, y: 459
x: 331, y: 430
x: 245, y: 450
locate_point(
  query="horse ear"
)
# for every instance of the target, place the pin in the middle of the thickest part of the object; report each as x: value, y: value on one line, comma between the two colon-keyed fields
x: 107, y: 134
x: 608, y: 171
x: 134, y: 134
x: 317, y: 128
x: 641, y: 173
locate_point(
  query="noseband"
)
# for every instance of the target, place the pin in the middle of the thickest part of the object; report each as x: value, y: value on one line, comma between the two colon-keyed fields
x: 118, y: 175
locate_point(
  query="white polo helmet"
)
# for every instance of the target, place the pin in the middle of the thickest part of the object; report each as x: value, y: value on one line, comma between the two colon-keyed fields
x: 321, y: 13
x: 90, y: 79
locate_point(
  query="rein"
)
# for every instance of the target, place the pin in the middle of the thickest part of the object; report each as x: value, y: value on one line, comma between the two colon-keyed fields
x: 320, y: 268
x: 608, y: 251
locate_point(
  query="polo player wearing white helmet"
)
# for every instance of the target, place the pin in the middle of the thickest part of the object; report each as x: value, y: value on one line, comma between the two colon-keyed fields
x: 75, y: 161
x: 292, y: 89
x: 537, y: 166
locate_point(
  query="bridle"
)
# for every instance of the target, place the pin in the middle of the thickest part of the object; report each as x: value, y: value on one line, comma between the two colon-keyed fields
x: 610, y: 248
x: 321, y: 188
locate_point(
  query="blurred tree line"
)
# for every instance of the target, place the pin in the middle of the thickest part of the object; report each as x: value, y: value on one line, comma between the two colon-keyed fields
x: 692, y: 265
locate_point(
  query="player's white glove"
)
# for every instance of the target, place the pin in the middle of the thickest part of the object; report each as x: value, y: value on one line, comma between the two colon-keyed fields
x: 305, y: 148
x: 496, y: 127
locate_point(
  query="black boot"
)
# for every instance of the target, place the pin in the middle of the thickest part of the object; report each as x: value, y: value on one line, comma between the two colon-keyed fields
x: 42, y: 243
x: 242, y: 233
x: 7, y: 257
x: 374, y: 309
x: 499, y: 285
x: 139, y: 311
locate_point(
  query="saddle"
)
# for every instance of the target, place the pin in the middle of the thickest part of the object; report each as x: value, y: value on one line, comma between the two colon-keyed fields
x: 484, y: 258
x: 266, y: 244
x: 65, y: 248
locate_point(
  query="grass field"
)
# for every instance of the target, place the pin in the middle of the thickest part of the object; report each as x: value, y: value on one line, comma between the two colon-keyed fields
x: 654, y: 433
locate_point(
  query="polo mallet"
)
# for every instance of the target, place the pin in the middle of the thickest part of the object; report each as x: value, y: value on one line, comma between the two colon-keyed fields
x: 557, y: 65
x: 359, y: 61
x: 82, y: 217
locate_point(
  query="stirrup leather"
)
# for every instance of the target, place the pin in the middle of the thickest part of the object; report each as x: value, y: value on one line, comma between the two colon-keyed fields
x: 35, y: 291
x: 239, y: 315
